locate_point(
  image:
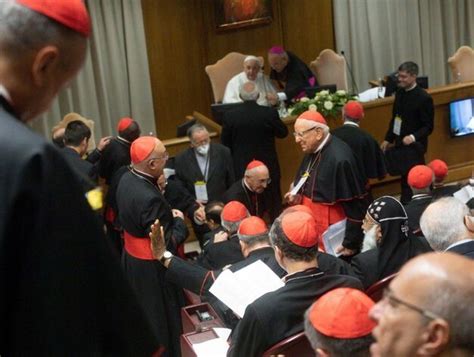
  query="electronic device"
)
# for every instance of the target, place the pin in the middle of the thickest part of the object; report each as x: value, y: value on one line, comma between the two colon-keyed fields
x: 204, y: 316
x: 461, y: 117
x: 182, y: 129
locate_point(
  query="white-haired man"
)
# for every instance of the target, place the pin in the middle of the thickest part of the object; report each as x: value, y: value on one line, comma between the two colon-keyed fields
x: 329, y: 180
x: 448, y: 226
x: 252, y: 72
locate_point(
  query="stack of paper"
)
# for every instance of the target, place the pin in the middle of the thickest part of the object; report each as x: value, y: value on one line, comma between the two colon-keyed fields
x: 238, y: 290
x: 465, y: 193
x: 334, y: 236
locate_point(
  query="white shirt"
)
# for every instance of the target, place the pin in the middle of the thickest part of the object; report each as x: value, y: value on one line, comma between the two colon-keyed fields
x: 263, y: 84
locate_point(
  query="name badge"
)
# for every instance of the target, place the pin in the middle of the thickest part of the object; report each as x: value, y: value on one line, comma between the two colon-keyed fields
x: 201, y: 191
x: 397, y: 125
x: 300, y: 184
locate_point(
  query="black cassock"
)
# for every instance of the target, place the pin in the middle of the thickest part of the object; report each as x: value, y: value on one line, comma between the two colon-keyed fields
x: 365, y: 148
x: 115, y: 155
x: 280, y: 314
x: 415, y: 209
x: 258, y: 204
x: 140, y: 203
x: 62, y: 289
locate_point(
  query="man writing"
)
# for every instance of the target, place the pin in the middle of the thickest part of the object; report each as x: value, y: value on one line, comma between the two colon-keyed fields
x: 410, y: 126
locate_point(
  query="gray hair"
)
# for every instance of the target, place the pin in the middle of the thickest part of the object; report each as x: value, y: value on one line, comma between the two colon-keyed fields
x: 442, y: 222
x: 22, y: 29
x: 409, y: 67
x: 194, y: 129
x: 247, y: 94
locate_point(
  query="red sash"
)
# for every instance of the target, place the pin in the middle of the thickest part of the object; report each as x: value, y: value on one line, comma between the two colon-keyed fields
x: 137, y: 247
x: 324, y: 215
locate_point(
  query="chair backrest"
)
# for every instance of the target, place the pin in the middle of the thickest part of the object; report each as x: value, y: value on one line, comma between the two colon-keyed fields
x: 330, y: 68
x: 375, y: 291
x: 72, y: 117
x: 296, y: 345
x: 223, y: 70
x: 462, y: 64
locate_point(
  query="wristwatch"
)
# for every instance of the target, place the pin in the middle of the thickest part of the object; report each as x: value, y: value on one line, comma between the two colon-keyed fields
x: 166, y: 255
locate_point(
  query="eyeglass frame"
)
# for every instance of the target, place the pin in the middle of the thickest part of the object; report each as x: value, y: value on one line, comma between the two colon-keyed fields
x: 165, y: 156
x: 388, y: 294
x: 302, y: 133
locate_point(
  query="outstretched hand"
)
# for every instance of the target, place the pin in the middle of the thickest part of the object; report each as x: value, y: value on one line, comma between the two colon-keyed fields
x: 157, y: 240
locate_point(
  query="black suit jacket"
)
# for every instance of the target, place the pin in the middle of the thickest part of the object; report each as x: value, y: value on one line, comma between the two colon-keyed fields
x: 249, y: 132
x: 415, y: 209
x: 466, y: 249
x: 220, y: 175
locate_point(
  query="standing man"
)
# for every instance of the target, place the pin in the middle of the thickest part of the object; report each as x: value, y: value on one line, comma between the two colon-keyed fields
x: 411, y: 124
x: 63, y: 291
x: 140, y: 202
x: 419, y: 179
x: 329, y: 181
x: 117, y: 153
x: 205, y: 169
x: 363, y: 145
x: 252, y: 73
x: 289, y: 74
x: 249, y: 132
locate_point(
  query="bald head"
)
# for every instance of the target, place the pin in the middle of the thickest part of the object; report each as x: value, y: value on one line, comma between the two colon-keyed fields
x: 445, y: 222
x: 257, y: 179
x: 248, y: 91
x: 154, y: 163
x: 428, y: 310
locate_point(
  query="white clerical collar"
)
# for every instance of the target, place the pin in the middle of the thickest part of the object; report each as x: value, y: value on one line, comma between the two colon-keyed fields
x: 458, y: 243
x: 4, y: 93
x: 411, y: 88
x: 245, y: 183
x: 323, y: 143
x: 122, y: 139
x: 351, y: 123
x: 144, y: 173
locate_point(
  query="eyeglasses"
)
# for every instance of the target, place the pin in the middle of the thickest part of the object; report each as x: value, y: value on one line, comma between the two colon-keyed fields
x: 300, y: 134
x: 393, y: 300
x: 165, y: 157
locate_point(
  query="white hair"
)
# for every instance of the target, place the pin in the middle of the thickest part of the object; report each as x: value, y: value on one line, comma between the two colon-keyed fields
x: 248, y: 95
x: 253, y: 58
x: 312, y: 124
x: 442, y: 223
x: 24, y: 29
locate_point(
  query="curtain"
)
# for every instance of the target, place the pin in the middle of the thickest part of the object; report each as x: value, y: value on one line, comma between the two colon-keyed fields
x: 115, y: 79
x: 378, y: 35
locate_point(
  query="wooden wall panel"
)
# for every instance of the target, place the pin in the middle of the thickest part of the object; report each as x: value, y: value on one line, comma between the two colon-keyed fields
x: 307, y: 27
x: 182, y: 40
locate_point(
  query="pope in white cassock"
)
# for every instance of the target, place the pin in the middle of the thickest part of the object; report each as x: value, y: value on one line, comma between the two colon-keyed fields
x: 252, y: 72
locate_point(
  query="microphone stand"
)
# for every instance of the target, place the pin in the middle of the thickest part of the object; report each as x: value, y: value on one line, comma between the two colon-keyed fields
x: 353, y: 83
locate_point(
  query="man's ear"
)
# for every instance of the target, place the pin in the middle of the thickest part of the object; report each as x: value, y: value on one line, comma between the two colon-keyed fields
x: 436, y: 338
x: 469, y: 223
x: 44, y: 65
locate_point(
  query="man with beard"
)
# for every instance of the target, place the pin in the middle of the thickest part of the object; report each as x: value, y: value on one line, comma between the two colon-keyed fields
x: 387, y: 224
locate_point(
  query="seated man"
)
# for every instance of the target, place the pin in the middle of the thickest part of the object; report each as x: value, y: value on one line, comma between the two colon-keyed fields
x: 254, y: 245
x: 252, y: 72
x: 290, y: 75
x: 338, y: 324
x: 427, y: 309
x: 386, y: 225
x: 447, y: 226
x: 419, y: 179
x: 440, y: 170
x: 224, y: 248
x: 279, y: 314
x: 250, y: 191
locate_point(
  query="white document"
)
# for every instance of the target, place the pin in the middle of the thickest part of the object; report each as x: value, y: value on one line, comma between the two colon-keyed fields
x: 465, y: 193
x: 372, y: 94
x: 334, y: 236
x: 238, y: 290
x: 222, y: 332
x: 300, y: 184
x: 217, y: 347
x: 200, y: 189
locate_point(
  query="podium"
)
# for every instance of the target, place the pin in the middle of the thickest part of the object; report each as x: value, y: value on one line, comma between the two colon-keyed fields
x: 199, y: 317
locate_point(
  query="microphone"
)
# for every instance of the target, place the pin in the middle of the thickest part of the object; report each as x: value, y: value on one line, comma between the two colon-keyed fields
x: 353, y: 83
